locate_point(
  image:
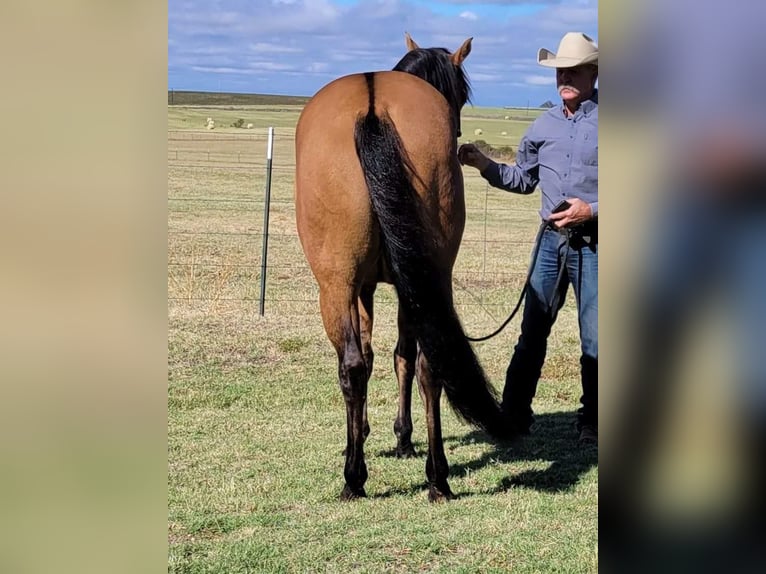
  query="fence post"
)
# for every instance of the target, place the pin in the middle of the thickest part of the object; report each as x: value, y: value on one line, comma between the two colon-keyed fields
x: 264, y: 252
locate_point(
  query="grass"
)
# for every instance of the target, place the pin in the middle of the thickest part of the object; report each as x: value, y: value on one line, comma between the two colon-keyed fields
x: 191, y: 98
x: 256, y: 421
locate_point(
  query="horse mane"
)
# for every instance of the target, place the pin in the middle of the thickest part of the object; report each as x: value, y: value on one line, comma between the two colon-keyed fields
x: 435, y: 67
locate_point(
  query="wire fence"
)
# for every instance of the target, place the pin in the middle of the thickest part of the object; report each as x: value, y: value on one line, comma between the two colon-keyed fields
x: 216, y: 203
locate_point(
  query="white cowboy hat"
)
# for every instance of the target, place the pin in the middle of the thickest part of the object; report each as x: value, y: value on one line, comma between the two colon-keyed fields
x: 575, y: 49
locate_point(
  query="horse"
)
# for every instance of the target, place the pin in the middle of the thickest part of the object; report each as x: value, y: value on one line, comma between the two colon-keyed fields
x: 379, y: 197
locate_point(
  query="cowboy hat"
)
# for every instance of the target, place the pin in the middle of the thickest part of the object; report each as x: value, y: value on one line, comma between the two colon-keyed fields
x: 575, y: 49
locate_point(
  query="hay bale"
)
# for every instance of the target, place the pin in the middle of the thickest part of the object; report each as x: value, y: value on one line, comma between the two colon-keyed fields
x: 477, y: 132
x: 507, y: 117
x: 503, y: 133
x: 249, y: 126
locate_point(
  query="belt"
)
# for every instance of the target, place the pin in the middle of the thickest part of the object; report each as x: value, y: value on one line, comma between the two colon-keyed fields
x: 579, y: 235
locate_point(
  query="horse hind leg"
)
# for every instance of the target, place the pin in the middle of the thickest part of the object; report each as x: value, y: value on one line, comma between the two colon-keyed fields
x: 365, y: 336
x: 437, y: 468
x: 405, y: 355
x: 366, y: 315
x: 341, y: 320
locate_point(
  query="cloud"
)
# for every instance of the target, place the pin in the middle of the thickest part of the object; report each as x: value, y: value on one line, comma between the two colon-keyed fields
x: 267, y: 48
x: 501, y: 2
x: 541, y: 80
x: 296, y: 46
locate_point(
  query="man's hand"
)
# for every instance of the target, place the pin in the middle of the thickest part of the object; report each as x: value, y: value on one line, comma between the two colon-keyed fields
x: 579, y: 212
x: 469, y: 154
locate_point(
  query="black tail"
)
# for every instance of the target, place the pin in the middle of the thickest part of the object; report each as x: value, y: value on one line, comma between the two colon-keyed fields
x: 423, y: 289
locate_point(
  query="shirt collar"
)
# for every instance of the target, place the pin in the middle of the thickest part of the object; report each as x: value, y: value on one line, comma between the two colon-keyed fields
x: 587, y: 106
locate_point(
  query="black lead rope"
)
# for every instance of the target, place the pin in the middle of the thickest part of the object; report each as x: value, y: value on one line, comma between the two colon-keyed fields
x: 556, y: 295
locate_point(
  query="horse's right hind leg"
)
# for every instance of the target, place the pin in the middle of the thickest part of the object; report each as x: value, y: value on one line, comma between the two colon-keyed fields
x: 437, y: 468
x: 341, y: 320
x: 405, y: 356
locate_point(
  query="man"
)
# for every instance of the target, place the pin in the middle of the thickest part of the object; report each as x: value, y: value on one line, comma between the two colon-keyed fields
x: 560, y: 153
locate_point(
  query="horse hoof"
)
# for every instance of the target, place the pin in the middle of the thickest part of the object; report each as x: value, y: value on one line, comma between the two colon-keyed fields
x: 349, y: 494
x: 436, y: 494
x: 407, y: 451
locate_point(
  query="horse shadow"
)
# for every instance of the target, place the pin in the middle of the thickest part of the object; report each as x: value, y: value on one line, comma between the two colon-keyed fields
x: 554, y: 440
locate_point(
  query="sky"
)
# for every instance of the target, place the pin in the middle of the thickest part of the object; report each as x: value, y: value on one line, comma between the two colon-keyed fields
x: 294, y: 47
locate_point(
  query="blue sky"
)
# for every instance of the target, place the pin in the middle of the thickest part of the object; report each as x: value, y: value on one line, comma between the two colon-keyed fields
x: 295, y: 47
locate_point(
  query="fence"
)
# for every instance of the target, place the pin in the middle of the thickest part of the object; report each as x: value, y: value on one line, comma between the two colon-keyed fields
x: 217, y: 186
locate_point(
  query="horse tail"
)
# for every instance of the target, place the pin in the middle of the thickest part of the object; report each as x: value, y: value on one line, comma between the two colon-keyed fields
x: 423, y: 287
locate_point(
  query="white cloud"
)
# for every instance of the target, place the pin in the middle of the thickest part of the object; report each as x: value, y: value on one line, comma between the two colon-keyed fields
x: 317, y: 67
x: 480, y: 77
x: 220, y: 70
x: 298, y: 45
x: 270, y: 66
x: 540, y: 80
x: 265, y: 48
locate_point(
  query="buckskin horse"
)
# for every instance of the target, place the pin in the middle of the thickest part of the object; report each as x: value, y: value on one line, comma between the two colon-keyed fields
x: 379, y: 198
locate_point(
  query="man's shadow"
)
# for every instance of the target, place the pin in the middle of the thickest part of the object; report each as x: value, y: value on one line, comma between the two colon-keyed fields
x: 554, y: 439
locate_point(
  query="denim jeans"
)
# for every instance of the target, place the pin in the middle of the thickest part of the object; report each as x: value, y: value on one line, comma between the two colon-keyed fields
x: 582, y: 273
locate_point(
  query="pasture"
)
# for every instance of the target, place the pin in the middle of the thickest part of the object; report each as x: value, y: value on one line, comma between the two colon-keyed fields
x: 256, y: 421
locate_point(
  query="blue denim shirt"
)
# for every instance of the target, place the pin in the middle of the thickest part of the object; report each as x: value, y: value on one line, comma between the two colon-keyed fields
x: 560, y: 154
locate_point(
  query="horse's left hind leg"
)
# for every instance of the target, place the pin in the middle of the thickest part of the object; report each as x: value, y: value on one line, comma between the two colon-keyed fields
x: 366, y: 315
x: 341, y: 320
x: 365, y: 336
x: 437, y: 468
x: 405, y: 355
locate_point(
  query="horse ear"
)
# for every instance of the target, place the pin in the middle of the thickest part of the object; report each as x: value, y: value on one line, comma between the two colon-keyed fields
x: 411, y: 45
x: 462, y: 52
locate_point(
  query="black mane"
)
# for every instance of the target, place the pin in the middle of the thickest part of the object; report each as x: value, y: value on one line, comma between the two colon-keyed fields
x: 435, y: 67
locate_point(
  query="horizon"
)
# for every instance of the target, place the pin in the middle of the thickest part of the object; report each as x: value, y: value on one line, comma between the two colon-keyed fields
x: 256, y: 94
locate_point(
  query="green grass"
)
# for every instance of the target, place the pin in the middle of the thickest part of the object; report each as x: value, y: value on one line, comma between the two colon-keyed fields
x: 256, y: 421
x: 191, y: 98
x: 263, y: 115
x: 493, y: 122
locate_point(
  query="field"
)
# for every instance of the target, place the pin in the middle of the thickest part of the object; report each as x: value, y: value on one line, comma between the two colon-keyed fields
x: 256, y: 422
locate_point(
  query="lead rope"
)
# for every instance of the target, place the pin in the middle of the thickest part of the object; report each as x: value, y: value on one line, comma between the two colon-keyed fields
x: 556, y: 295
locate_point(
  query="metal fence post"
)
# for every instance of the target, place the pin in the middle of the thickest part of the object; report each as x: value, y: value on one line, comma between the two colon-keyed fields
x: 264, y: 252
